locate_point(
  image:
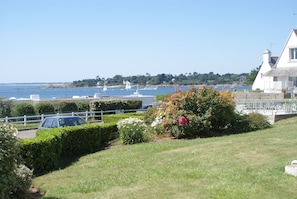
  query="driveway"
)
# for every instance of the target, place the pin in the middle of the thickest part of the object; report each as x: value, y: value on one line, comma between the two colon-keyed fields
x: 27, y: 134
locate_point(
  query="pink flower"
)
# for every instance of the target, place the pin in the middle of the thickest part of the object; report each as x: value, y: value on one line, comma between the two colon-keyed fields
x: 182, y: 120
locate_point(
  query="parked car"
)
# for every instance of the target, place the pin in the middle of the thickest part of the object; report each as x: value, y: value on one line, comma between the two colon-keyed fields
x: 61, y: 121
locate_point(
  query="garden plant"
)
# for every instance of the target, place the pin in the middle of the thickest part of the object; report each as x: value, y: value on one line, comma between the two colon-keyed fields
x: 15, y: 178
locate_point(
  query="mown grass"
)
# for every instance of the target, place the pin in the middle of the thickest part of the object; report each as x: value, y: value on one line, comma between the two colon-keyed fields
x: 239, y: 166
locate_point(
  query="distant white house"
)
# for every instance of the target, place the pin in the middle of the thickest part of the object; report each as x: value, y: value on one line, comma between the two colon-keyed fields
x: 278, y: 74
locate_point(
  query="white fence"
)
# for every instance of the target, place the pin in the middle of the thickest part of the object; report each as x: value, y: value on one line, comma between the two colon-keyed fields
x: 97, y: 115
x: 268, y: 107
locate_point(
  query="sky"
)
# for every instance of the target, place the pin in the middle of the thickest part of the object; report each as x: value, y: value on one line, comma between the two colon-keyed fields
x: 69, y: 40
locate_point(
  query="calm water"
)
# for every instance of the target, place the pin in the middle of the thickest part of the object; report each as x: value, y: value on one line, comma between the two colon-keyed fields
x: 25, y: 90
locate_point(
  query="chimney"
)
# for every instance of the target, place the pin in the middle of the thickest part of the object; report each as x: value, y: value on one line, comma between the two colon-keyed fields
x: 266, y: 56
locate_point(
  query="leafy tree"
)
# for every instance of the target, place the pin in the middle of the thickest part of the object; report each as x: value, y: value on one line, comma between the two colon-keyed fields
x: 252, y: 76
x: 185, y: 79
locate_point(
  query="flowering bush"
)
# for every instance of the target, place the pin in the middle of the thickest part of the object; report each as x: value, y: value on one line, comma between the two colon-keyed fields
x: 156, y: 125
x: 14, y: 179
x: 198, y: 112
x: 132, y: 130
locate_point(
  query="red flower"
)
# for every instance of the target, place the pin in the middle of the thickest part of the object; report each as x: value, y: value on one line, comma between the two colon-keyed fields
x: 182, y: 120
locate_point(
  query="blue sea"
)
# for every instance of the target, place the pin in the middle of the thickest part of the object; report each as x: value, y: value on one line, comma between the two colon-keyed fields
x: 24, y: 90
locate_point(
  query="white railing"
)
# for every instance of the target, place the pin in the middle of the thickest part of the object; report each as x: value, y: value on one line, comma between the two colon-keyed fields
x: 278, y: 86
x: 268, y: 107
x: 86, y: 115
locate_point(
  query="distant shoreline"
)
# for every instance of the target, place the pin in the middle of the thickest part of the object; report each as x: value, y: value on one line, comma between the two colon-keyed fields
x: 68, y: 85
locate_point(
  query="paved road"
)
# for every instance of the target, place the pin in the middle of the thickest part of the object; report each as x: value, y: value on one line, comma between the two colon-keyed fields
x: 27, y: 134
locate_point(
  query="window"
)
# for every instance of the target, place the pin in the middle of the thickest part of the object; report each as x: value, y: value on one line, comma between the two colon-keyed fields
x: 293, y: 53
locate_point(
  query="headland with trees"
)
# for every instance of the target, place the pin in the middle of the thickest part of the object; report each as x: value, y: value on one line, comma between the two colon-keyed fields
x: 169, y: 79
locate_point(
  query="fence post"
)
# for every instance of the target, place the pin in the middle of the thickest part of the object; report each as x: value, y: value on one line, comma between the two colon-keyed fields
x: 86, y: 115
x: 25, y: 120
x: 42, y: 117
x: 72, y: 113
x: 101, y: 116
x: 6, y: 120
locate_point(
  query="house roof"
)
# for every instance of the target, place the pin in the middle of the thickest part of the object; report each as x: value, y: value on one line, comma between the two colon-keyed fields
x: 282, y: 72
x: 273, y: 60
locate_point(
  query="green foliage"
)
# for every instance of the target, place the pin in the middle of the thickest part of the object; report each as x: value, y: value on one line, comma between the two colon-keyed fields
x: 114, y: 104
x: 65, y: 106
x: 45, y: 152
x: 12, y: 184
x: 24, y: 177
x: 5, y: 108
x: 80, y: 140
x: 82, y: 105
x: 257, y: 121
x: 85, y: 82
x: 252, y: 76
x: 162, y: 97
x: 159, y: 79
x: 44, y: 108
x: 150, y: 114
x: 131, y: 130
x: 247, y: 122
x: 199, y: 112
x: 229, y: 167
x: 23, y: 108
x: 109, y: 132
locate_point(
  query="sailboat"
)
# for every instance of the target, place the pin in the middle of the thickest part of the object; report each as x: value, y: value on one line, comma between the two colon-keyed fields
x: 104, y: 87
x: 128, y: 85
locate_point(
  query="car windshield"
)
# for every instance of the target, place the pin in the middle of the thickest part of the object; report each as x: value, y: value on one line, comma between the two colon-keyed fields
x: 71, y: 121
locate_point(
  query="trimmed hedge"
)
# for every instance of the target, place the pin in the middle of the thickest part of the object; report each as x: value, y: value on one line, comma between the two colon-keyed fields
x: 106, y: 105
x: 44, y: 108
x: 45, y: 152
x: 65, y: 106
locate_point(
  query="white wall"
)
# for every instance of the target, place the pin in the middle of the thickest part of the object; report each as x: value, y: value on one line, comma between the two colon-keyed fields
x: 284, y: 59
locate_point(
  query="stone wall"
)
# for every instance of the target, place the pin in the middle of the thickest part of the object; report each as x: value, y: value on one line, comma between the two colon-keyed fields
x: 257, y: 95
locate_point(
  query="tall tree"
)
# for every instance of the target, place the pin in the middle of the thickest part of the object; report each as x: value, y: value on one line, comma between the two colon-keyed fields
x: 252, y: 76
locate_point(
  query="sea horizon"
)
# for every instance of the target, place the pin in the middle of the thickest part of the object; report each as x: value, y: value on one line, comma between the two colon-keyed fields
x: 45, y: 91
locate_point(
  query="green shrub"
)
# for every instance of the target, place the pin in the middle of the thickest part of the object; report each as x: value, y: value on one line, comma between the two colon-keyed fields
x: 257, y: 121
x: 150, y: 114
x: 238, y: 125
x: 45, y: 152
x: 156, y: 126
x: 65, y: 106
x: 24, y: 178
x: 248, y: 122
x: 109, y: 132
x: 114, y: 104
x: 82, y: 105
x: 5, y: 108
x: 131, y: 130
x: 23, y: 108
x: 15, y: 178
x: 163, y: 97
x: 80, y: 140
x: 198, y: 112
x: 44, y: 108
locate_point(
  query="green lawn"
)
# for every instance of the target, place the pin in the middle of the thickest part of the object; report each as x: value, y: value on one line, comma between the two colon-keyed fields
x: 239, y: 166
